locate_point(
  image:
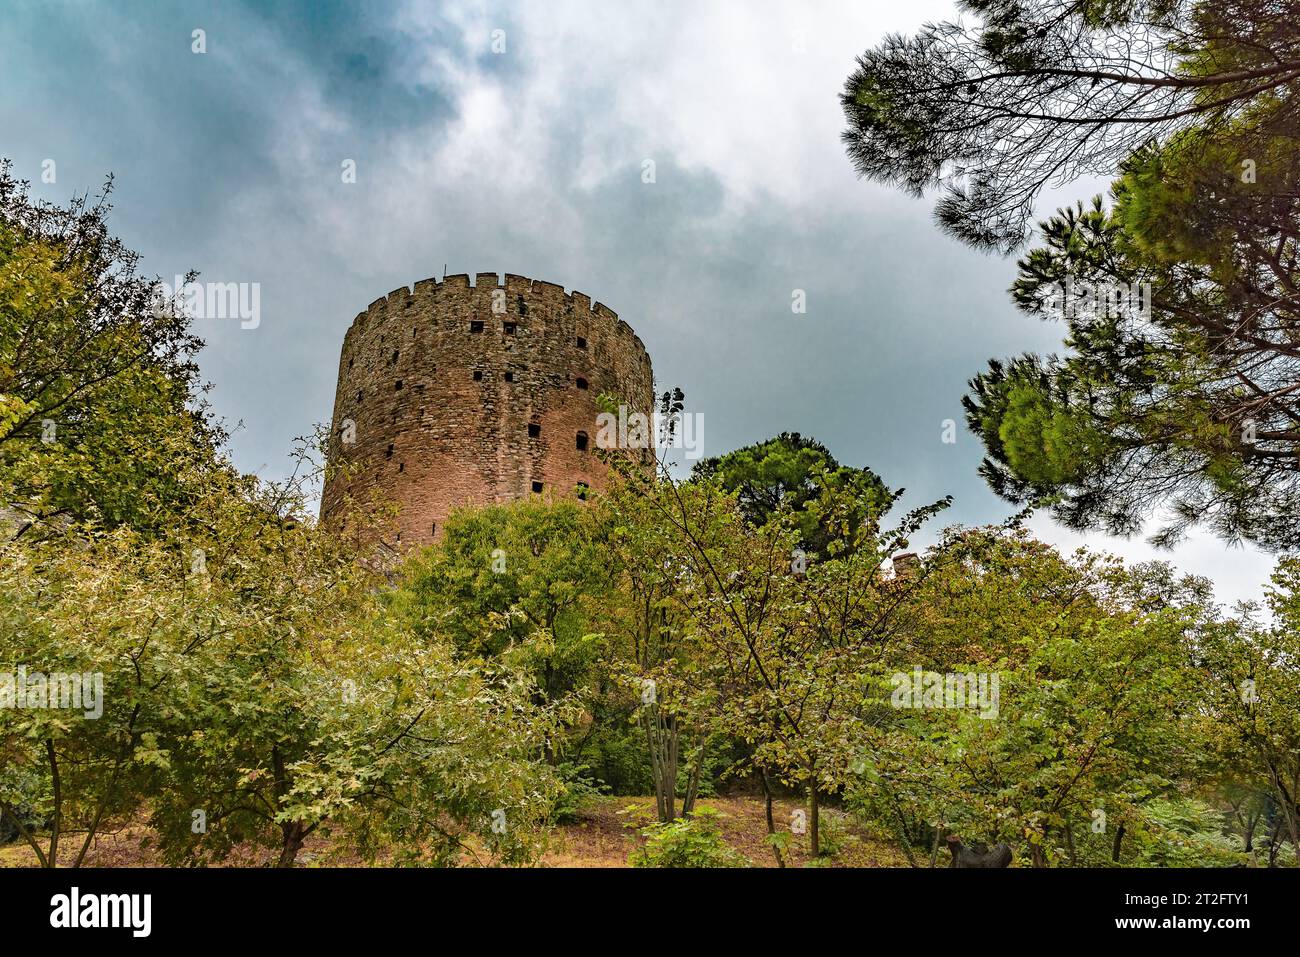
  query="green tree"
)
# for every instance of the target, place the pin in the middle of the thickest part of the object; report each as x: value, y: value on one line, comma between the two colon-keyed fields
x: 777, y: 643
x: 649, y: 626
x: 111, y: 614
x: 1177, y: 390
x: 256, y: 689
x: 1179, y: 393
x: 516, y: 580
x: 1092, y: 712
x: 100, y: 404
x: 1029, y: 93
x: 1252, y: 679
x: 785, y: 474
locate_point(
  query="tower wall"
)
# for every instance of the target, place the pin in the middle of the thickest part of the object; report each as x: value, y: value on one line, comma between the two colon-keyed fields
x: 431, y: 437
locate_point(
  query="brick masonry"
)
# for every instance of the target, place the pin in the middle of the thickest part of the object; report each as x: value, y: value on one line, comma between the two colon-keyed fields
x: 430, y: 437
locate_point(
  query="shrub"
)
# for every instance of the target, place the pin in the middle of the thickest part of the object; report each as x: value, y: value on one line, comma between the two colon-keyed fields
x: 1184, y: 832
x: 694, y: 841
x: 578, y: 787
x: 833, y: 832
x: 616, y: 753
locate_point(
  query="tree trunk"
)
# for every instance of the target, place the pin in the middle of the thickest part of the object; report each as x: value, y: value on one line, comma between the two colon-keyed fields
x: 291, y: 832
x: 1037, y: 853
x: 656, y: 775
x: 25, y: 833
x: 670, y: 768
x: 292, y: 835
x: 56, y: 819
x: 1118, y: 842
x: 814, y: 821
x: 1290, y: 808
x: 771, y: 824
x: 661, y: 739
x: 693, y: 778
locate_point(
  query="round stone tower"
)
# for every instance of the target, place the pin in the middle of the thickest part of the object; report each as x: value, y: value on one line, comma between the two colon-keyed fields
x: 455, y: 394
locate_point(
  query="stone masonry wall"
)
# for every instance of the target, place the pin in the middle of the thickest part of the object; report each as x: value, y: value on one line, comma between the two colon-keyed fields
x: 431, y: 437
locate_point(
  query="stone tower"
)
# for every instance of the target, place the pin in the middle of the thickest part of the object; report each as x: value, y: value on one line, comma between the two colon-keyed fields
x: 455, y: 394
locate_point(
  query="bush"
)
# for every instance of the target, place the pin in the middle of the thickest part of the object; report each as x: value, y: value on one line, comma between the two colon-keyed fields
x: 26, y: 794
x: 616, y: 753
x: 833, y: 832
x: 578, y: 787
x: 694, y: 841
x: 1184, y: 832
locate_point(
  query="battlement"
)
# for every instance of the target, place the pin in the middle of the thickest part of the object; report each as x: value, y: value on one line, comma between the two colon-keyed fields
x: 535, y: 293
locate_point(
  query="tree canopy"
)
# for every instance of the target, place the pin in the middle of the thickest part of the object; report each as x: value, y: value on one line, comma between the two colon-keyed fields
x: 101, y: 412
x: 1041, y: 92
x: 787, y: 474
x: 1176, y: 392
x: 1178, y: 389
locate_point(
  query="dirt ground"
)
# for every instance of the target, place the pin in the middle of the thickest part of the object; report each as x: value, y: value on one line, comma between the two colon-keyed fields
x: 599, y: 838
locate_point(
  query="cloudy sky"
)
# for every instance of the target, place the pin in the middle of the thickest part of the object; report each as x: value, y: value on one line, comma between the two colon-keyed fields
x: 528, y: 158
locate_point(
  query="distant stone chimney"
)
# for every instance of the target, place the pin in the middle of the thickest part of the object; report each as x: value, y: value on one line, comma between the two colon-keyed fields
x: 906, y: 564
